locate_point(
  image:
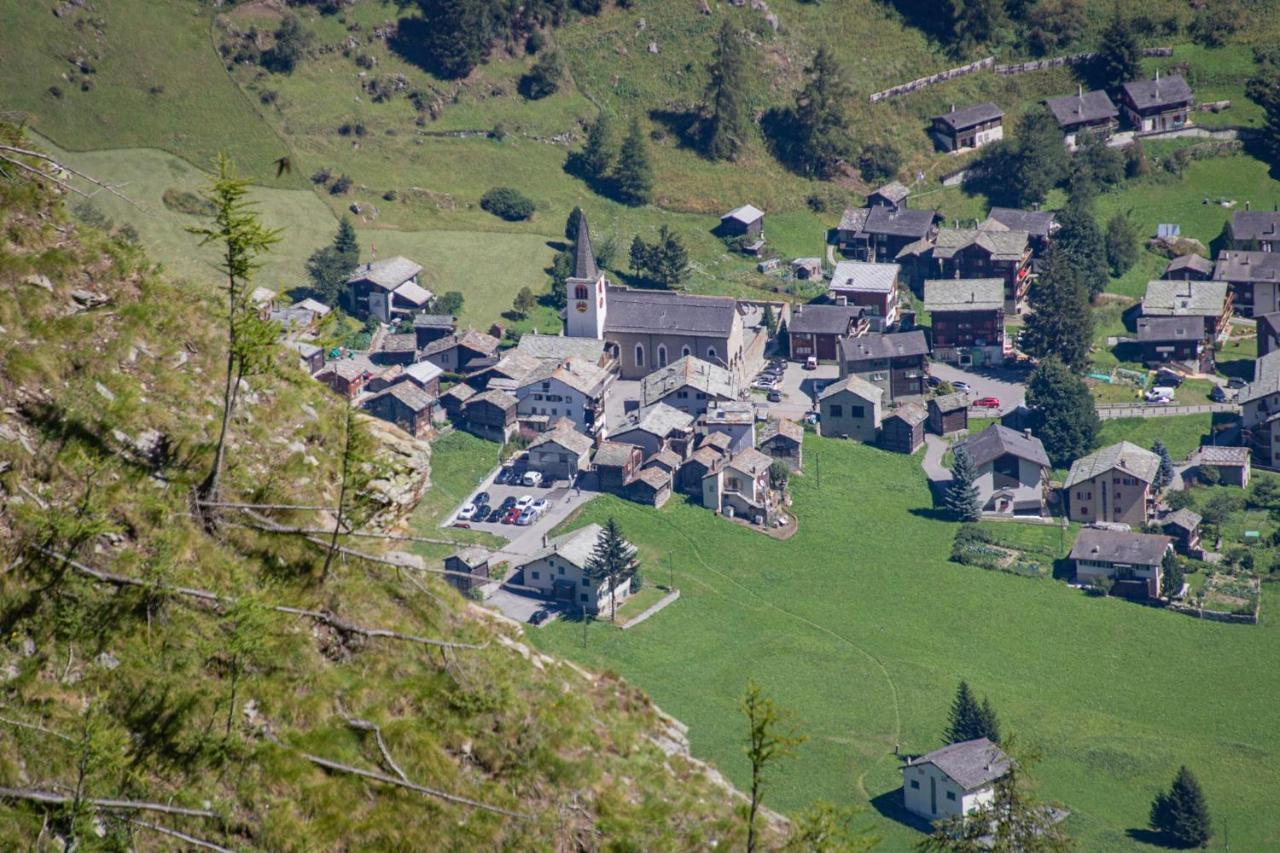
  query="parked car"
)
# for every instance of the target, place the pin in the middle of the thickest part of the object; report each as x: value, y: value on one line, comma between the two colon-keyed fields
x: 523, y: 501
x: 482, y: 512
x: 774, y: 396
x: 1158, y: 396
x: 529, y: 516
x: 504, y: 476
x: 539, y: 616
x: 532, y: 478
x: 511, y: 515
x: 811, y: 363
x: 462, y: 524
x: 507, y: 503
x: 1221, y: 395
x: 987, y: 402
x: 540, y: 505
x: 467, y: 513
x: 480, y: 499
x: 961, y: 385
x: 1168, y: 378
x: 1235, y: 383
x: 495, y: 516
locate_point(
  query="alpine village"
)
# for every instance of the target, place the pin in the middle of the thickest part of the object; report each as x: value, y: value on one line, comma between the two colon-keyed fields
x: 639, y: 425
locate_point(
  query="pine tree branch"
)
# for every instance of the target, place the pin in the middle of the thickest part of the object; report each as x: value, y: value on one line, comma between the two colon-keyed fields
x: 53, y: 798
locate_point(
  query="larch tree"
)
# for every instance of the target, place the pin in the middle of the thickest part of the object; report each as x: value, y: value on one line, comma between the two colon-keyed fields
x: 241, y: 238
x: 633, y: 175
x: 771, y: 737
x: 354, y: 478
x: 728, y: 122
x: 1122, y: 244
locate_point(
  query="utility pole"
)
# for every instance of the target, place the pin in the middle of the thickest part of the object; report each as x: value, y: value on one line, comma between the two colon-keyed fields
x: 671, y: 574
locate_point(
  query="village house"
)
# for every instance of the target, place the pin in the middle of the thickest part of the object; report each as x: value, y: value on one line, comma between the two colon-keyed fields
x: 396, y: 349
x: 968, y: 128
x: 1268, y: 326
x: 1260, y: 411
x: 560, y: 571
x: 740, y: 488
x: 1183, y: 526
x: 575, y: 389
x: 472, y: 561
x: 1039, y: 225
x: 745, y: 221
x: 882, y: 231
x: 615, y: 465
x: 1191, y: 267
x: 1132, y: 561
x: 651, y: 487
x: 648, y: 329
x: 1011, y: 470
x: 850, y: 408
x: 405, y: 405
x: 1231, y: 463
x: 807, y: 269
x: 425, y: 375
x: 310, y: 356
x: 897, y: 363
x: 1254, y: 278
x: 561, y: 453
x: 462, y: 351
x: 665, y: 460
x: 815, y: 330
x: 968, y: 320
x: 688, y: 384
x: 1084, y: 112
x: 948, y: 413
x: 870, y: 286
x: 734, y: 418
x: 453, y: 400
x: 1254, y: 230
x: 655, y: 427
x: 902, y: 430
x: 1210, y: 301
x: 953, y: 781
x: 347, y: 376
x: 491, y: 414
x: 1114, y: 484
x: 432, y: 327
x: 783, y: 440
x: 703, y: 461
x: 386, y: 288
x: 970, y: 253
x: 1175, y: 339
x: 1151, y: 106
x: 303, y: 315
x: 559, y: 347
x: 892, y: 195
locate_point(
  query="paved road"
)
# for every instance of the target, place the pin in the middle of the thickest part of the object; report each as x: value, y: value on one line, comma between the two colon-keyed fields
x: 935, y: 447
x: 1004, y: 384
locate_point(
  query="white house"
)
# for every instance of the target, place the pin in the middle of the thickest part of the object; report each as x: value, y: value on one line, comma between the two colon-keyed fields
x: 688, y: 384
x: 558, y: 571
x: 1011, y: 470
x: 955, y: 780
x: 574, y: 388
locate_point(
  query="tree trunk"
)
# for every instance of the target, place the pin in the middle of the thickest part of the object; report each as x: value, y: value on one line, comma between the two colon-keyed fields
x: 755, y: 806
x: 342, y: 498
x: 208, y: 489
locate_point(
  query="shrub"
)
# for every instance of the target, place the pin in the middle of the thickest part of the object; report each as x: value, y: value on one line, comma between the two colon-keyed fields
x: 507, y: 203
x: 637, y: 581
x: 879, y: 161
x: 341, y: 185
x: 543, y: 78
x: 182, y: 201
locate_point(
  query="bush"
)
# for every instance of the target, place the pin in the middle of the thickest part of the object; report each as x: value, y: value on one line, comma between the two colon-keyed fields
x: 341, y: 185
x: 543, y: 78
x: 879, y: 162
x: 507, y: 203
x: 637, y: 581
x: 182, y: 201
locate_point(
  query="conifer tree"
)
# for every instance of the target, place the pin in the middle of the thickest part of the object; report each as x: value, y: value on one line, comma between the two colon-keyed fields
x: 1060, y: 323
x: 1122, y: 244
x: 1064, y: 416
x: 634, y: 174
x: 330, y: 266
x: 357, y: 458
x: 1164, y: 474
x: 988, y: 722
x: 822, y: 140
x: 975, y: 23
x: 599, y: 152
x: 1172, y: 575
x: 962, y: 494
x: 1039, y: 161
x: 1120, y: 57
x: 613, y: 560
x: 1080, y: 238
x: 1182, y: 814
x: 964, y: 719
x: 729, y: 122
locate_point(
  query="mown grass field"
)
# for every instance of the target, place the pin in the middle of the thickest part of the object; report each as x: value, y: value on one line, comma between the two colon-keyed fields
x: 861, y: 626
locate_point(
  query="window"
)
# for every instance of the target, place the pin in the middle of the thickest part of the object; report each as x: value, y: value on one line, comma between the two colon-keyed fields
x: 711, y: 353
x: 685, y: 351
x: 1083, y: 511
x: 639, y: 355
x: 915, y: 783
x: 535, y: 575
x: 561, y: 570
x: 857, y: 412
x: 951, y: 795
x: 580, y: 292
x: 682, y: 395
x: 837, y: 411
x: 584, y: 596
x: 662, y: 355
x: 877, y: 377
x: 584, y: 582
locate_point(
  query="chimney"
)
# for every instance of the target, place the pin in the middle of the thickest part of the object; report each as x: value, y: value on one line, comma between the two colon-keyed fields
x: 1080, y: 91
x: 1246, y: 204
x: 953, y: 108
x: 1027, y: 432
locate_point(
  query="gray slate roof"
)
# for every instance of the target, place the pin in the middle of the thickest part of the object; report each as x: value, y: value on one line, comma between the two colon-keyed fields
x: 963, y: 294
x: 559, y: 347
x: 910, y: 413
x: 893, y: 192
x: 1037, y: 223
x: 1183, y: 518
x: 568, y: 438
x: 400, y: 343
x: 970, y: 116
x: 823, y: 319
x: 664, y: 312
x: 410, y: 395
x: 1247, y: 266
x: 433, y: 321
x: 1195, y: 262
x: 1255, y: 225
x: 574, y: 547
x: 864, y: 277
x: 1116, y: 546
x: 1166, y: 91
x: 1125, y: 456
x: 501, y: 399
x: 877, y: 346
x: 1266, y: 378
x: 473, y: 556
x: 996, y: 441
x: 751, y: 461
x: 899, y: 222
x: 659, y: 419
x: 1071, y: 110
x: 1172, y: 298
x: 1228, y: 456
x: 971, y: 763
x: 853, y: 218
x: 781, y: 428
x: 613, y: 454
x: 1159, y: 329
x: 688, y: 371
x: 856, y: 385
x: 950, y: 402
x: 423, y: 371
x: 745, y: 214
x: 1003, y: 245
x: 387, y: 273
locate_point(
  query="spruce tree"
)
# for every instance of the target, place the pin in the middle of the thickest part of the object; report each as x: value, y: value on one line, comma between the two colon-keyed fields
x: 962, y: 495
x: 613, y: 560
x: 988, y: 722
x: 1039, y: 160
x: 822, y: 140
x: 1080, y: 238
x: 975, y: 23
x: 964, y: 719
x: 458, y: 34
x: 571, y: 227
x: 1182, y: 814
x: 1060, y: 323
x: 784, y: 339
x: 330, y: 266
x: 729, y: 122
x: 1164, y: 474
x: 1171, y: 575
x: 345, y: 243
x: 1122, y: 244
x: 665, y: 262
x: 1120, y: 58
x: 1064, y: 416
x: 598, y: 153
x: 634, y: 174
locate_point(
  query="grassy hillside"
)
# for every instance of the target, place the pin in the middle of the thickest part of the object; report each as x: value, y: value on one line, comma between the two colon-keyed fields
x: 861, y: 624
x: 108, y: 380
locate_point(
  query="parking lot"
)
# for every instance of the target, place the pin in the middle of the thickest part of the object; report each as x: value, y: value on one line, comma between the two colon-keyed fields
x: 1005, y: 384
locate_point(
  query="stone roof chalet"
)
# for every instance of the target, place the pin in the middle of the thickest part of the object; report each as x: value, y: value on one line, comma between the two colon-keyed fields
x: 1098, y: 545
x: 1125, y: 456
x: 1082, y: 108
x: 997, y: 440
x: 963, y: 294
x: 971, y: 763
x: 959, y: 119
x: 1159, y: 92
x: 570, y: 439
x: 387, y: 273
x: 856, y: 385
x: 781, y: 428
x: 1174, y: 298
x: 688, y: 372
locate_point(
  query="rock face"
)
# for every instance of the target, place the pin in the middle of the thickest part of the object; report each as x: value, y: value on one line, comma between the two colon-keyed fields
x: 408, y: 464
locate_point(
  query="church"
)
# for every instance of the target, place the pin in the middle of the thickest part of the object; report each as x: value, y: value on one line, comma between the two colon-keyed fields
x: 649, y: 329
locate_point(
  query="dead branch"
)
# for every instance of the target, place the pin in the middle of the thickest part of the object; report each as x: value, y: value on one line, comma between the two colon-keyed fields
x: 228, y: 505
x: 366, y: 726
x: 330, y: 619
x: 56, y: 799
x: 322, y: 531
x: 36, y: 728
x: 23, y: 152
x: 164, y: 830
x: 421, y: 789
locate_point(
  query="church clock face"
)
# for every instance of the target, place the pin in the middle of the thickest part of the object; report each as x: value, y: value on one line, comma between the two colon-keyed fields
x: 582, y: 307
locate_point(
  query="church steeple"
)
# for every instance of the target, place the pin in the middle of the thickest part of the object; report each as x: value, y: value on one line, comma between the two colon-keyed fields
x: 584, y: 266
x: 586, y: 298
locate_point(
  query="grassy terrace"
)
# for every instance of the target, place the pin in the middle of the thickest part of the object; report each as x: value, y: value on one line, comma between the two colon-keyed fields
x: 861, y: 625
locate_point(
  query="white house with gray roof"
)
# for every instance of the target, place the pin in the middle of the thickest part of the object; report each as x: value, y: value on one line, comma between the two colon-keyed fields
x: 688, y: 384
x: 574, y: 388
x: 1208, y: 300
x: 1084, y: 112
x: 871, y: 286
x: 851, y: 408
x: 1260, y: 408
x: 560, y: 572
x: 1011, y: 470
x: 1132, y: 560
x: 1114, y: 484
x: 1254, y: 278
x: 956, y: 780
x: 969, y: 127
x: 655, y: 427
x: 385, y: 288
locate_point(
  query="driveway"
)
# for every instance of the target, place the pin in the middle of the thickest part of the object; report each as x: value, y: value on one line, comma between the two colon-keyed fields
x: 799, y: 387
x: 1005, y: 384
x: 516, y: 606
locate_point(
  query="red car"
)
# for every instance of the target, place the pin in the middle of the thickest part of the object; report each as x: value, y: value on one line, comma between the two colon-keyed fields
x: 988, y: 403
x: 511, y: 516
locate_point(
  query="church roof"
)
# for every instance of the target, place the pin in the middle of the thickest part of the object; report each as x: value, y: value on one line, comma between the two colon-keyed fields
x: 665, y: 312
x: 584, y: 262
